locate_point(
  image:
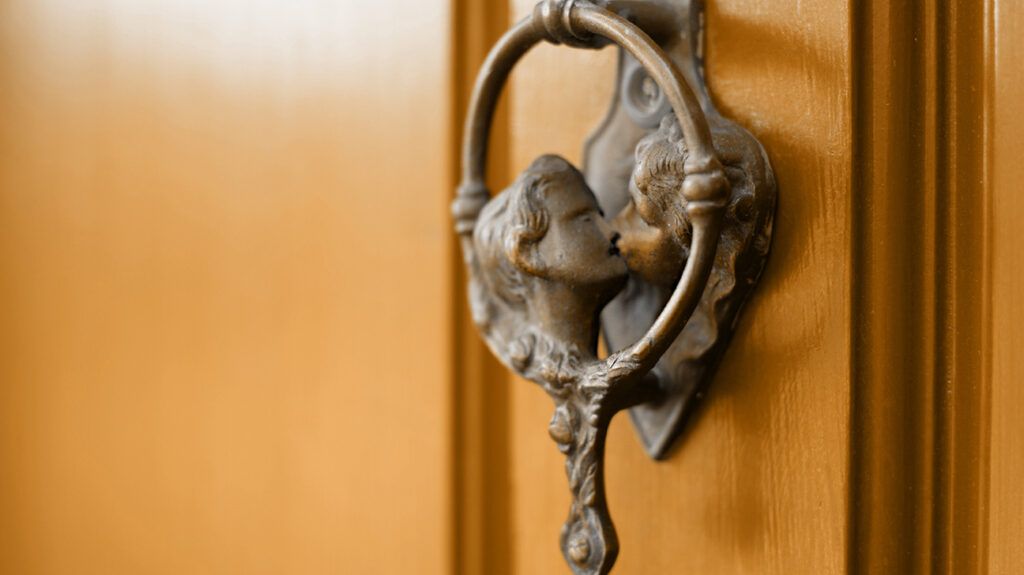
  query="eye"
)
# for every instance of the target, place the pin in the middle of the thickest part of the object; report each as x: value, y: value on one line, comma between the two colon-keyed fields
x: 600, y: 211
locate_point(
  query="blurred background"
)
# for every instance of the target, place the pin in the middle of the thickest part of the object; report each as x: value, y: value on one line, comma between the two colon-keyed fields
x: 225, y: 265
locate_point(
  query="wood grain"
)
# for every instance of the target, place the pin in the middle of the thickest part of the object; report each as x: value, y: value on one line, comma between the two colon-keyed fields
x: 760, y: 484
x: 1006, y: 496
x: 225, y: 289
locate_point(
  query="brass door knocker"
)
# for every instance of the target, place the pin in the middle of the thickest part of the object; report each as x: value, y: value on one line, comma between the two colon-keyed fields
x: 689, y: 231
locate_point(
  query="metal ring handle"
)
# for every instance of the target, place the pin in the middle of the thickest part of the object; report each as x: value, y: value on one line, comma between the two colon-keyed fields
x: 579, y: 23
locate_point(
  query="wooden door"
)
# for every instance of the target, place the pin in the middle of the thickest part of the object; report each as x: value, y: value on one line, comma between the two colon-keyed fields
x: 862, y: 420
x: 225, y: 278
x: 232, y: 330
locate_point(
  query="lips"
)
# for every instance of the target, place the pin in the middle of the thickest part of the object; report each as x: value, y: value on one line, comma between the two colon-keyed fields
x: 613, y: 250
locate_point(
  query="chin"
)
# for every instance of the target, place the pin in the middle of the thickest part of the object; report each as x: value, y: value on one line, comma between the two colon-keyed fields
x: 615, y: 283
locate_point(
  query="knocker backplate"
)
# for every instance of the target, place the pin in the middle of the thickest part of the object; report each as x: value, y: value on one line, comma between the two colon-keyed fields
x: 611, y: 160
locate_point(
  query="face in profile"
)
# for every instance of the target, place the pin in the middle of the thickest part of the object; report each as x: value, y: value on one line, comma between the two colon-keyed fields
x: 548, y: 226
x: 657, y: 180
x: 579, y: 247
x: 656, y: 232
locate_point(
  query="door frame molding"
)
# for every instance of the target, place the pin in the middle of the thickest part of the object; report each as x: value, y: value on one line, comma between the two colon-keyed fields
x: 922, y: 286
x: 481, y: 542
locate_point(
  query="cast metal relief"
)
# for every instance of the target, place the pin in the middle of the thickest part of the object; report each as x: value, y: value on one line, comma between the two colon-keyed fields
x: 637, y: 122
x: 687, y: 198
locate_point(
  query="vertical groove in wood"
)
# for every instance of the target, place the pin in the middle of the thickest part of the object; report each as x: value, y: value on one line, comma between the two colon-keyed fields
x: 887, y: 432
x: 481, y: 486
x: 963, y: 355
x: 919, y: 426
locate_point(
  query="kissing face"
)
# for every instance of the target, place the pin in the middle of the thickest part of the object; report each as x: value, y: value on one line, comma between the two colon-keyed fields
x: 656, y: 231
x: 579, y: 248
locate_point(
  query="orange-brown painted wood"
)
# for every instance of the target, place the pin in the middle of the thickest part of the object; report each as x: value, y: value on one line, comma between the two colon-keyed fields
x: 225, y: 298
x: 481, y: 475
x: 232, y: 337
x: 1004, y: 520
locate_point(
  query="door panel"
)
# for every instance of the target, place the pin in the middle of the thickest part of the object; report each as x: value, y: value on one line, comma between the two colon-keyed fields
x: 760, y: 482
x: 224, y: 287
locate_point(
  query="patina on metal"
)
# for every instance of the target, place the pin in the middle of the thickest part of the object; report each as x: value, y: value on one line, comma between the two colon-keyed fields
x: 544, y: 261
x: 637, y: 153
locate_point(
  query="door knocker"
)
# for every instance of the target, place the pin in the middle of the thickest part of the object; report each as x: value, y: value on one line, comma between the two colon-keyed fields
x: 664, y: 268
